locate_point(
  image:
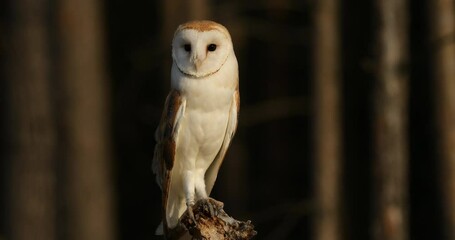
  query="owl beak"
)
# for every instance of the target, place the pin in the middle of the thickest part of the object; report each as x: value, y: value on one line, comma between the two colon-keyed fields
x: 196, y: 62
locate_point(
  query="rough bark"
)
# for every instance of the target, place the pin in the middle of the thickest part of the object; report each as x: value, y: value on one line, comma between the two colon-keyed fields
x: 86, y: 124
x: 327, y: 121
x: 32, y: 132
x: 219, y: 227
x: 443, y: 43
x: 391, y: 160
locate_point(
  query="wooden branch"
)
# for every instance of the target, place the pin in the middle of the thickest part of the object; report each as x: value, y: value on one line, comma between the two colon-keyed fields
x: 219, y: 227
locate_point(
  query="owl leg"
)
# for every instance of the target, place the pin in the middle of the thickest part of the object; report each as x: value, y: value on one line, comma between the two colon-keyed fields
x: 189, y: 189
x: 201, y: 193
x: 191, y: 213
x: 199, y: 184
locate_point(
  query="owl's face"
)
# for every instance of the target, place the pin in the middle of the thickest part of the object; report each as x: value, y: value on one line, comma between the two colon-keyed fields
x: 200, y: 48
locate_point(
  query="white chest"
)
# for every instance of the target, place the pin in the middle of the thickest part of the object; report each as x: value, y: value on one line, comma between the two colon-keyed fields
x: 207, y: 111
x: 207, y: 107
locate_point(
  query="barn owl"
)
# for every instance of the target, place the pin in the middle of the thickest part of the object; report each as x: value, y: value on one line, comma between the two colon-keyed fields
x: 199, y: 117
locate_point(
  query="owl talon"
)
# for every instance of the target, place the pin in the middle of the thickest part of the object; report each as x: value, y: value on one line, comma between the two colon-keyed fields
x: 191, y: 213
x: 211, y: 209
x: 209, y: 206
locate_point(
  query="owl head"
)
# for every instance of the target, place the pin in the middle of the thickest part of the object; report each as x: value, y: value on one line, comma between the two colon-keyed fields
x: 200, y: 48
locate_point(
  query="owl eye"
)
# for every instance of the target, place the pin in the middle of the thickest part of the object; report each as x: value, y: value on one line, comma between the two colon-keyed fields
x: 211, y: 47
x: 187, y: 47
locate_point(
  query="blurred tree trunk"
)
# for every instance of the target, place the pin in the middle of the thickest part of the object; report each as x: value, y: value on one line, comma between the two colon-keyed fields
x: 391, y: 160
x: 199, y: 9
x: 327, y: 120
x: 86, y: 117
x: 33, y: 134
x: 179, y: 11
x: 443, y: 36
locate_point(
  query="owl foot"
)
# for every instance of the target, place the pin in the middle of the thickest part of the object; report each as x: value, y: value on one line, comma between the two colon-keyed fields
x: 205, y: 208
x: 208, y: 206
x: 220, y: 226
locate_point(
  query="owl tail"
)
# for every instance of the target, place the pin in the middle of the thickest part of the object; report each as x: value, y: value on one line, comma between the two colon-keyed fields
x: 159, y: 230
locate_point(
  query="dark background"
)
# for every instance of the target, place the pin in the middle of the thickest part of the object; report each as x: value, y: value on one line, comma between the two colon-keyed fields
x: 268, y: 174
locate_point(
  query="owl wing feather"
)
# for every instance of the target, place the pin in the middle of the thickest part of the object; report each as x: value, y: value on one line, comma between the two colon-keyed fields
x: 165, y: 136
x: 212, y: 171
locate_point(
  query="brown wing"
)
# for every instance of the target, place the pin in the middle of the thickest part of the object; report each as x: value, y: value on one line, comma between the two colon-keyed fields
x: 212, y: 172
x: 165, y: 135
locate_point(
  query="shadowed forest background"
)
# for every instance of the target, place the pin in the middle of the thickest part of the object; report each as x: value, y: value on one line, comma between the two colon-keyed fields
x: 346, y: 129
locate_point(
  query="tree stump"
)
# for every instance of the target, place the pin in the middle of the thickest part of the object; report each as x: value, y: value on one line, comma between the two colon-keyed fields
x: 205, y: 227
